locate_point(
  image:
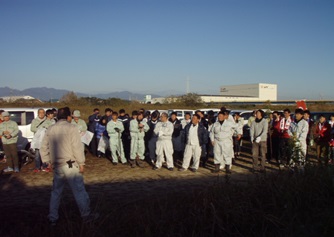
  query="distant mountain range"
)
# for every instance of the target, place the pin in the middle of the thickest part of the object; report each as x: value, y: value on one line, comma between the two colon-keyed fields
x: 45, y: 94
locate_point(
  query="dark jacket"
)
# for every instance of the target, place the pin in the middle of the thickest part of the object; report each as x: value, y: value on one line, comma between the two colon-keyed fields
x: 205, y: 123
x: 126, y: 123
x: 201, y: 132
x: 322, y: 135
x: 311, y: 128
x: 177, y: 127
x: 93, y: 120
x: 149, y: 134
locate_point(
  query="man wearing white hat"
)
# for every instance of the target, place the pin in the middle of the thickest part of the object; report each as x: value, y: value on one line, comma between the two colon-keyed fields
x: 9, y: 132
x: 82, y: 126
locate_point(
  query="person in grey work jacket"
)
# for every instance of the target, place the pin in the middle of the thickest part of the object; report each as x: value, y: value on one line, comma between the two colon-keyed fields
x: 63, y: 151
x: 258, y: 134
x: 9, y: 131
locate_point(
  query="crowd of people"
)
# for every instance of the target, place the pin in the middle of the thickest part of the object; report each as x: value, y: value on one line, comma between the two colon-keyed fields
x: 290, y: 138
x: 158, y: 138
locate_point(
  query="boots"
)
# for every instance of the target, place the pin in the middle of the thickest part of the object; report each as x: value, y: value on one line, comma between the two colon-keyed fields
x: 140, y: 163
x: 133, y: 163
x: 204, y: 160
x: 228, y: 169
x: 217, y: 168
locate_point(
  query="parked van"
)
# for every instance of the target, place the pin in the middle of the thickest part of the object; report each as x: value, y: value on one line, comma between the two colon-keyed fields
x: 159, y: 110
x: 205, y: 111
x: 245, y: 114
x: 316, y: 115
x: 23, y: 117
x: 180, y: 112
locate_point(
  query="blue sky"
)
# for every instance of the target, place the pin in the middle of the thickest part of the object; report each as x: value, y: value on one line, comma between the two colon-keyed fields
x: 153, y: 46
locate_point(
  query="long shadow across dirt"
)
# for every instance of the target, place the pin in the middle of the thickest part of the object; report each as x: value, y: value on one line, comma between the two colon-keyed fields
x: 25, y: 196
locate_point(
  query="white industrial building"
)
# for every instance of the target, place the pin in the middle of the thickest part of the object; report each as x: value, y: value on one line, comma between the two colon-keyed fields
x: 16, y: 97
x: 244, y: 93
x: 259, y: 92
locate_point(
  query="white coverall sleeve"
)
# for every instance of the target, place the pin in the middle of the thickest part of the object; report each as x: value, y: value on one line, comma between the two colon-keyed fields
x: 303, y: 132
x: 45, y: 149
x: 157, y: 129
x: 146, y: 127
x: 110, y: 128
x: 120, y: 126
x: 212, y: 133
x: 252, y: 131
x: 170, y: 129
x: 134, y: 126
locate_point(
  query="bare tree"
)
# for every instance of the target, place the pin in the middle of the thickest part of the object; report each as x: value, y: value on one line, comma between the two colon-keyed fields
x: 190, y: 99
x: 69, y: 97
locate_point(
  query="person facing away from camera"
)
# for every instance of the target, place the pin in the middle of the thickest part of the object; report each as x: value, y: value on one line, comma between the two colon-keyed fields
x: 63, y: 151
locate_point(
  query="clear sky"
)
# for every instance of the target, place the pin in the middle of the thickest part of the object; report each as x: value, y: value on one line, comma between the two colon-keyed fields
x: 153, y: 46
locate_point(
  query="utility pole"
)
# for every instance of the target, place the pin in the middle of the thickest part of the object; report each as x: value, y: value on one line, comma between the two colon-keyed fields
x: 320, y: 96
x: 187, y: 86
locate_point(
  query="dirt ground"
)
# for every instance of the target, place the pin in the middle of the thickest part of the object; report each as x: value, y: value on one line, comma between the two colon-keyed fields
x: 25, y: 195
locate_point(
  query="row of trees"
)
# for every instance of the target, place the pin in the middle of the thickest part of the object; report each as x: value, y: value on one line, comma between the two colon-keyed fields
x: 72, y: 98
x: 187, y: 100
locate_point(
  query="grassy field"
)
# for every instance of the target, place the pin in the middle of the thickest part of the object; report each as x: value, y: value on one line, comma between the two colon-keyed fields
x: 276, y: 204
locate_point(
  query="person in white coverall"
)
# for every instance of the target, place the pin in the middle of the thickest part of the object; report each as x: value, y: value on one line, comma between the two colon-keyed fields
x: 138, y: 128
x: 222, y: 141
x: 164, y: 130
x: 115, y: 128
x: 300, y: 128
x: 195, y: 136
